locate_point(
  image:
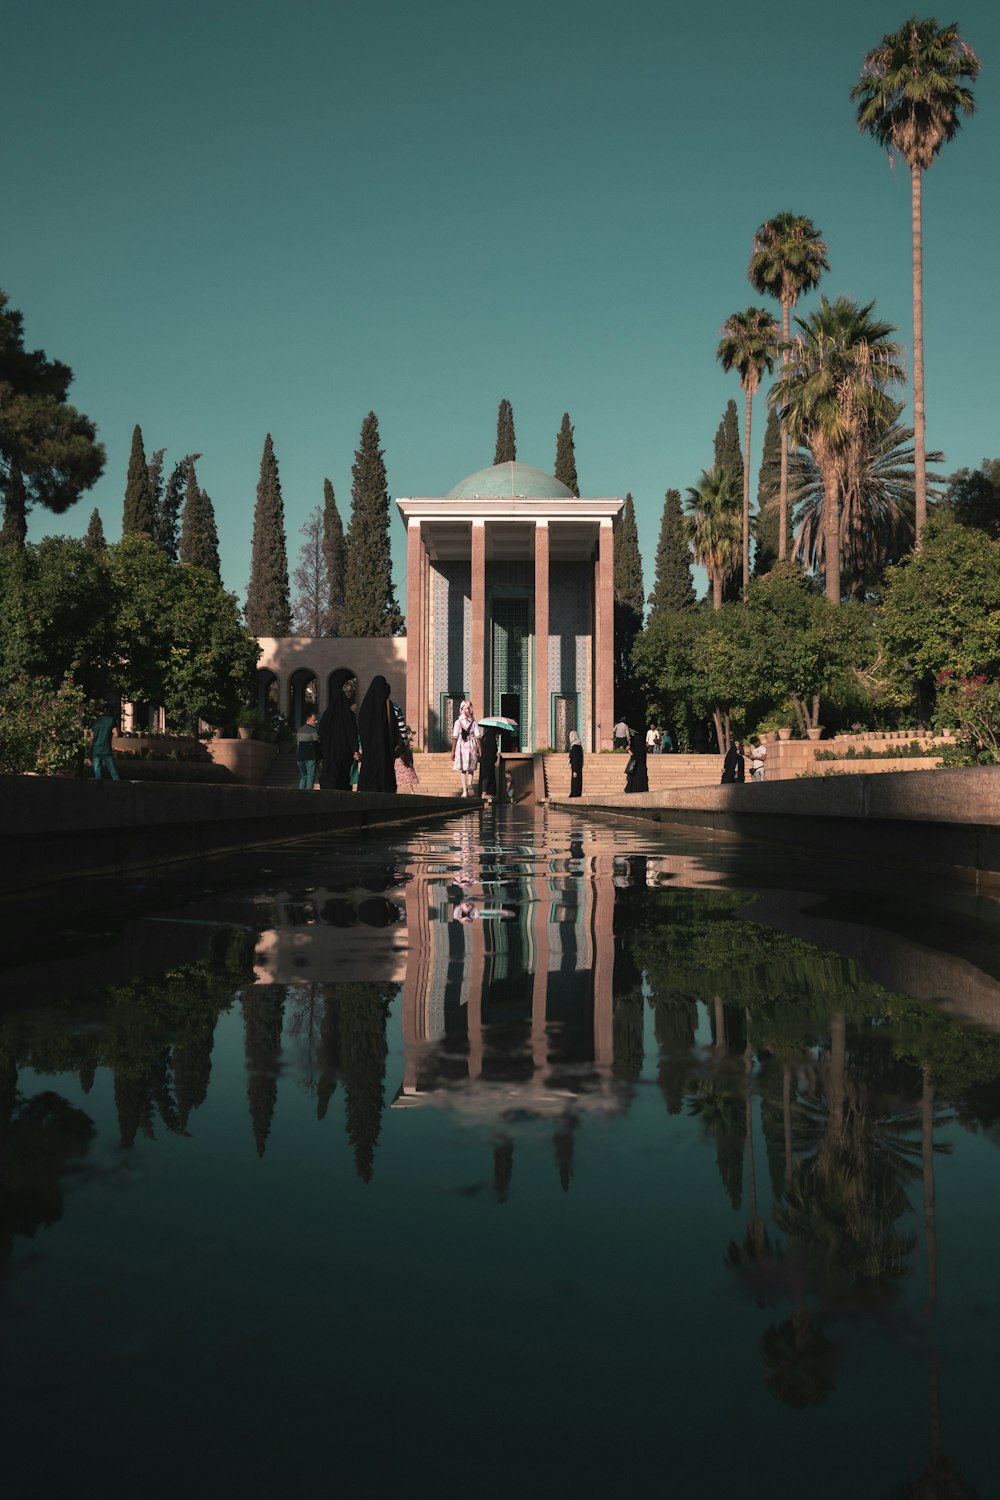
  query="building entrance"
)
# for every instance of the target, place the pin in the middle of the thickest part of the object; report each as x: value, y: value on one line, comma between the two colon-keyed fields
x: 510, y: 664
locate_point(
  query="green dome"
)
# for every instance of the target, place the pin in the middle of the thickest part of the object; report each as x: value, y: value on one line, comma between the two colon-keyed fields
x: 504, y: 481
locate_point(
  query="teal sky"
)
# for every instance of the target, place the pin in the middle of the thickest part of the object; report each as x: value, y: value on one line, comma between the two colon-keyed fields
x: 233, y: 218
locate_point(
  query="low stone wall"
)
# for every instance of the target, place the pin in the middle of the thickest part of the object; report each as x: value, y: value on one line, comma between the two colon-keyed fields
x: 54, y: 830
x: 248, y: 760
x: 947, y: 820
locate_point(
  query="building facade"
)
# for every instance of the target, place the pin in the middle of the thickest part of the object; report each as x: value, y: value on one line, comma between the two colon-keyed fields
x: 510, y: 602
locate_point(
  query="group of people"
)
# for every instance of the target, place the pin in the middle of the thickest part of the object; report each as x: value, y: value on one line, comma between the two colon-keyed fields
x: 734, y: 765
x: 476, y: 754
x: 366, y: 748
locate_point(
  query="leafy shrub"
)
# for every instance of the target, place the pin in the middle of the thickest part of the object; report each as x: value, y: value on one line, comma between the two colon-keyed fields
x: 42, y: 728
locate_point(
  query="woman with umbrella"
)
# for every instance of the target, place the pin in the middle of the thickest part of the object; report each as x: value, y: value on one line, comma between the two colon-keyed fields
x: 377, y: 732
x: 575, y: 764
x: 636, y: 774
x: 338, y: 734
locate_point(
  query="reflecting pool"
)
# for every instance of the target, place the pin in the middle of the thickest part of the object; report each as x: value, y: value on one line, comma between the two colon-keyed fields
x: 523, y: 1155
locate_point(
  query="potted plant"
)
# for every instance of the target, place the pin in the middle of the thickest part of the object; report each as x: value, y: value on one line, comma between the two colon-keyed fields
x: 248, y: 722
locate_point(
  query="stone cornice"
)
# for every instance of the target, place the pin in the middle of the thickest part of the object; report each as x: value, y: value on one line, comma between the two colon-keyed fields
x: 507, y: 508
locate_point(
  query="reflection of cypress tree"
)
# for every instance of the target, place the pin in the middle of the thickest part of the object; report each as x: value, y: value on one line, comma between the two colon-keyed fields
x: 363, y: 1014
x: 87, y: 1077
x: 503, y: 1168
x: 192, y: 1069
x: 8, y: 1089
x: 628, y: 1039
x: 133, y: 1104
x: 675, y: 1021
x: 263, y: 1010
x: 329, y: 1051
x: 563, y: 1141
x: 44, y: 1135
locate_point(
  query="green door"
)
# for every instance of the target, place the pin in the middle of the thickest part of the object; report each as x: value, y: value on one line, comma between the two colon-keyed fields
x: 510, y: 663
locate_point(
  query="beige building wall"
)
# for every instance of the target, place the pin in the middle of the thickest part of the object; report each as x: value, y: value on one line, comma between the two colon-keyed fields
x: 288, y: 656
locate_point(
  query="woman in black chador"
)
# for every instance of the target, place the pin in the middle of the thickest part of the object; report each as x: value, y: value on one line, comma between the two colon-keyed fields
x: 734, y: 766
x: 636, y: 774
x: 379, y: 736
x: 488, y: 763
x: 575, y: 764
x: 338, y: 735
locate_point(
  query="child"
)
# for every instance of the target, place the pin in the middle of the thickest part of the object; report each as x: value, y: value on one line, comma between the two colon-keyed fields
x: 508, y: 783
x: 406, y: 775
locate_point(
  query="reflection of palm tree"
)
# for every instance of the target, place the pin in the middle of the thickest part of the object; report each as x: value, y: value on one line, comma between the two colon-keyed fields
x: 800, y: 1360
x: 723, y: 1116
x: 42, y: 1135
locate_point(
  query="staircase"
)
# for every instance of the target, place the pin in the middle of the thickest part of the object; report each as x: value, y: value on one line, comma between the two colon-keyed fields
x: 604, y: 775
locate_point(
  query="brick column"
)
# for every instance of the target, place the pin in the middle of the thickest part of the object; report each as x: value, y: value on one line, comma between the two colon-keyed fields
x: 604, y: 665
x: 477, y: 667
x: 541, y: 635
x: 416, y: 694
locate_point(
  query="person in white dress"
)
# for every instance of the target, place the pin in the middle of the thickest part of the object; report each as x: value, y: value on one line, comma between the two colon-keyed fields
x: 465, y: 735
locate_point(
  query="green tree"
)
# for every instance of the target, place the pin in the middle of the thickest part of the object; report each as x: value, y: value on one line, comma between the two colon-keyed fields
x: 169, y: 503
x: 673, y: 588
x: 138, y: 515
x: 940, y: 612
x: 713, y: 526
x: 662, y: 666
x: 727, y: 446
x: 48, y: 450
x: 565, y: 469
x: 748, y: 346
x: 334, y: 561
x: 787, y: 258
x: 506, y: 449
x: 57, y: 611
x: 370, y: 607
x: 199, y: 541
x: 831, y: 394
x: 912, y: 90
x: 973, y: 497
x: 94, y: 536
x: 268, y: 611
x: 767, y: 542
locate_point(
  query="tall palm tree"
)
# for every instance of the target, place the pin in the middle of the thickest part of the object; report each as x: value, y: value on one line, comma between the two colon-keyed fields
x: 876, y: 516
x: 748, y: 345
x: 830, y: 395
x: 787, y: 258
x: 911, y: 91
x: 712, y: 523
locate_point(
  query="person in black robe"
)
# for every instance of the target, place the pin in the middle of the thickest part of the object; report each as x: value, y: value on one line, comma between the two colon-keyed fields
x: 637, y: 779
x: 338, y: 736
x: 575, y: 764
x: 734, y: 766
x: 378, y: 735
x: 488, y: 763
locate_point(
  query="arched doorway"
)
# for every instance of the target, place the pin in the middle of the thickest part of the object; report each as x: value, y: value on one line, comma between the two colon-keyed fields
x: 353, y: 680
x: 303, y: 694
x: 268, y: 693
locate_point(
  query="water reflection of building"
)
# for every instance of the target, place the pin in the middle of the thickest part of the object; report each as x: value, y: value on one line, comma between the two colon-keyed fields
x: 511, y: 1016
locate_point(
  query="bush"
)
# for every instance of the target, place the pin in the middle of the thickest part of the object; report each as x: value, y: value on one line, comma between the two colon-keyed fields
x: 971, y: 707
x: 42, y: 728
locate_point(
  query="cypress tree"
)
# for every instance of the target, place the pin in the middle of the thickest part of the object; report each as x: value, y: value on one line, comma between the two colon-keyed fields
x: 370, y: 607
x: 95, y: 532
x: 767, y: 519
x: 729, y: 456
x: 673, y: 589
x: 138, y: 515
x: 629, y: 600
x: 15, y: 510
x: 506, y: 442
x: 199, y: 545
x: 334, y: 560
x: 168, y: 511
x: 565, y: 469
x: 268, y: 611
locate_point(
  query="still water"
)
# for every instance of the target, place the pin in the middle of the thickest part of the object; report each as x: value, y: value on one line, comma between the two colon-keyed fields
x: 519, y: 1156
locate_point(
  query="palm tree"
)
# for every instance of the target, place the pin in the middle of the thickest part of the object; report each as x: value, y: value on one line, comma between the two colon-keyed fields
x: 712, y: 523
x: 909, y: 96
x: 748, y: 345
x: 830, y: 395
x: 876, y: 517
x: 787, y: 258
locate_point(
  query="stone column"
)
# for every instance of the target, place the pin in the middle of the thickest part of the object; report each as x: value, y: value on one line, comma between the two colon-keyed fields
x: 477, y: 666
x: 541, y: 635
x: 416, y: 696
x: 425, y: 651
x: 604, y: 664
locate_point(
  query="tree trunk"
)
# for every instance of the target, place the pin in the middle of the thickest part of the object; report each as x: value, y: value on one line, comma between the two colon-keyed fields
x: 783, y: 492
x: 919, y: 440
x: 837, y: 1075
x: 717, y: 590
x: 831, y: 533
x: 786, y: 1108
x: 719, y: 732
x: 746, y: 495
x: 927, y: 1164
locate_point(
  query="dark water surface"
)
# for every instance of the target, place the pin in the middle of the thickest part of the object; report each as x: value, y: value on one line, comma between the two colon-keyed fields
x: 522, y: 1156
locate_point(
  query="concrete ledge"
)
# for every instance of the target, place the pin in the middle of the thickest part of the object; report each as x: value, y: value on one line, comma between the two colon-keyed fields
x: 53, y: 829
x: 945, y: 820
